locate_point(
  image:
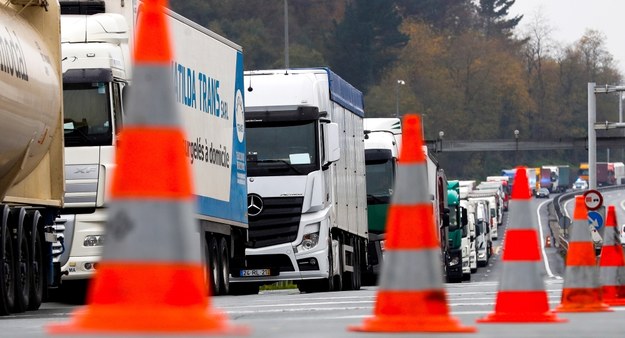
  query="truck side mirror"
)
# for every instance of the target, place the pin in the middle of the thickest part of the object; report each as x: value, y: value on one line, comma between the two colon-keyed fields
x: 331, y: 145
x: 446, y: 217
x: 464, y: 218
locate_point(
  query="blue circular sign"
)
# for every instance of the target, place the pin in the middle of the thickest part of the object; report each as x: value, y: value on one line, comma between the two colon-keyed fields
x: 595, y: 219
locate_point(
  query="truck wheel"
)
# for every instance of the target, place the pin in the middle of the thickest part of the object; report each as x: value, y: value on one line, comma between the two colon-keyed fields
x: 212, y: 259
x: 37, y: 276
x: 22, y: 261
x: 7, y: 291
x: 466, y: 277
x: 224, y: 259
x: 357, y: 266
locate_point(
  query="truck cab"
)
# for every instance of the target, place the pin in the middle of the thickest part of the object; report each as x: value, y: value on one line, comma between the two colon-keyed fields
x: 306, y: 181
x: 483, y: 237
x: 457, y: 258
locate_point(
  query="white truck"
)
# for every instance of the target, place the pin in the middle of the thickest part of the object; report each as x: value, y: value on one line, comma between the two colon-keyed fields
x: 489, y: 196
x: 382, y: 142
x: 208, y: 82
x: 306, y: 181
x: 483, y: 241
x: 471, y: 226
x: 31, y: 152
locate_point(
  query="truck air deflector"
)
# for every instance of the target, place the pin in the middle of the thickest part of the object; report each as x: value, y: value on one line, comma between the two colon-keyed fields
x: 273, y: 114
x: 88, y: 75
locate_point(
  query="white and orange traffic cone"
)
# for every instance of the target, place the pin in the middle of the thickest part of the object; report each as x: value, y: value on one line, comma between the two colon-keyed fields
x: 151, y: 277
x: 581, y: 291
x: 411, y: 295
x: 612, y: 263
x: 522, y: 297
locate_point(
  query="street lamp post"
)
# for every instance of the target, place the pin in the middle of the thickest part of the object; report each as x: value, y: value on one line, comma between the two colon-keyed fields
x: 399, y: 82
x: 440, y: 141
x: 516, y: 153
x: 286, y: 34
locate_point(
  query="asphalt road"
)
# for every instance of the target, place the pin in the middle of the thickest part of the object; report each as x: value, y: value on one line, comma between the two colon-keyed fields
x: 287, y: 313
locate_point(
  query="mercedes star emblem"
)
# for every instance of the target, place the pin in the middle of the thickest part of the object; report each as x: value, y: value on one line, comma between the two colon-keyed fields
x: 254, y: 205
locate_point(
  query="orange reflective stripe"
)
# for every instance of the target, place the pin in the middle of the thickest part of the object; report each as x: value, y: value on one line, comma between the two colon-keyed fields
x: 580, y: 212
x: 612, y: 256
x: 581, y: 254
x: 520, y: 189
x: 146, y: 284
x: 138, y: 174
x: 412, y: 303
x: 152, y: 34
x: 520, y: 302
x: 412, y: 152
x: 413, y: 227
x: 521, y: 245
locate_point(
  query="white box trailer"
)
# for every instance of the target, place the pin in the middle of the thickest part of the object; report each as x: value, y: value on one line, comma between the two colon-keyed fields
x: 207, y: 85
x: 306, y: 181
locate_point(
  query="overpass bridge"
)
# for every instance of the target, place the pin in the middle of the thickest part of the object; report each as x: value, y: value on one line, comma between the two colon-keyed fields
x: 442, y: 145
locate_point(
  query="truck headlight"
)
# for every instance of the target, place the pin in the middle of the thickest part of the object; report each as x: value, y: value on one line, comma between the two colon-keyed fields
x: 454, y: 261
x: 93, y: 240
x: 311, y: 237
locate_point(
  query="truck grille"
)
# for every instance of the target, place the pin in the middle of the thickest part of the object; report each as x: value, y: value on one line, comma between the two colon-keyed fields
x: 277, y: 223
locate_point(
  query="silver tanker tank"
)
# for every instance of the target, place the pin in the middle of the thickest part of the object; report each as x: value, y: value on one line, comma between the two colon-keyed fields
x: 29, y: 98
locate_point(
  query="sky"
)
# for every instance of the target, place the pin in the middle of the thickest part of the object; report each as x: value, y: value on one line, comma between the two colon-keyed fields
x: 569, y: 19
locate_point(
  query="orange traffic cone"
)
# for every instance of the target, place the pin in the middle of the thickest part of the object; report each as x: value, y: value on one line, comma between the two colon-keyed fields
x: 581, y: 291
x: 151, y: 278
x: 411, y: 296
x: 522, y: 297
x: 612, y: 263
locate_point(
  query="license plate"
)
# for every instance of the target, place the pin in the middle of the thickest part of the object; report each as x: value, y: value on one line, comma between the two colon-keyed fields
x: 255, y: 272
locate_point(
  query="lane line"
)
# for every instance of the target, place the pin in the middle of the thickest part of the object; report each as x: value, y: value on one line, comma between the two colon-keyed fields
x: 542, y: 247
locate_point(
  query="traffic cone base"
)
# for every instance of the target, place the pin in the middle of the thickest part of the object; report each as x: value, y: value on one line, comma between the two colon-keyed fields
x: 397, y: 324
x: 613, y: 295
x: 582, y: 300
x: 161, y: 306
x: 522, y: 307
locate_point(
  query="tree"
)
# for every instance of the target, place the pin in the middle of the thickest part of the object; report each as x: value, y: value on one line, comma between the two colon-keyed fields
x: 366, y: 42
x: 442, y: 15
x: 494, y: 14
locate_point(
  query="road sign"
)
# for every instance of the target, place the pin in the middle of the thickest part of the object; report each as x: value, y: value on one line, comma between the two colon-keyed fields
x: 593, y: 199
x: 595, y: 219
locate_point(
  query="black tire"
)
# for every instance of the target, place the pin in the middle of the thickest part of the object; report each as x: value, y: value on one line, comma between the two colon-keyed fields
x: 224, y: 259
x: 7, y: 272
x: 37, y: 272
x: 357, y: 265
x: 474, y: 270
x: 466, y: 277
x: 212, y: 262
x: 21, y: 250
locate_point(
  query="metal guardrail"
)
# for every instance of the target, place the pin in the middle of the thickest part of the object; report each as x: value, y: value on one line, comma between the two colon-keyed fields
x: 562, y: 223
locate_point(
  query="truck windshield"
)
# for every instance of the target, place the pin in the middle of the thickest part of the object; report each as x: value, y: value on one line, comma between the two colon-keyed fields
x: 282, y: 148
x: 380, y: 176
x: 86, y: 111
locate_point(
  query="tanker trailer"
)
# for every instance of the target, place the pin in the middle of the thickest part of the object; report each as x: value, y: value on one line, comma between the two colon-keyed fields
x: 31, y: 151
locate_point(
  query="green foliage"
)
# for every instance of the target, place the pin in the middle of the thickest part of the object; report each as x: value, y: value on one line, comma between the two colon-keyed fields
x: 366, y: 41
x: 463, y: 70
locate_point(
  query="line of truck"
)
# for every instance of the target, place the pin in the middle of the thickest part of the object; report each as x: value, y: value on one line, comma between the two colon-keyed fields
x: 291, y: 181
